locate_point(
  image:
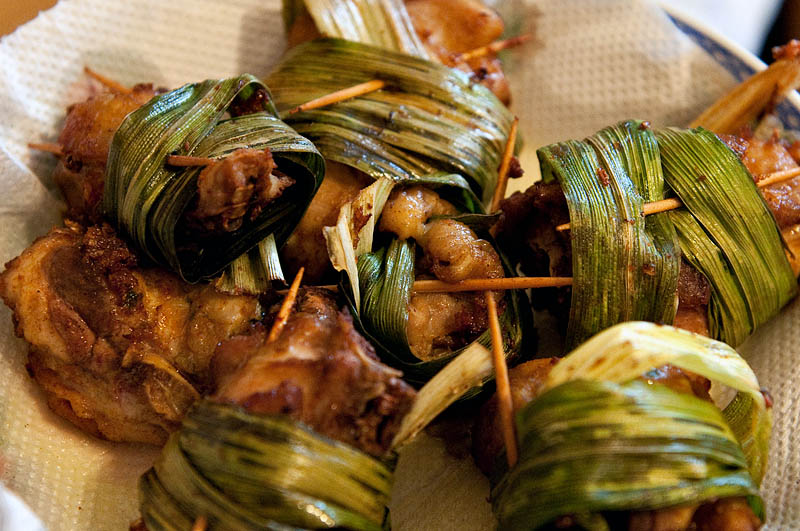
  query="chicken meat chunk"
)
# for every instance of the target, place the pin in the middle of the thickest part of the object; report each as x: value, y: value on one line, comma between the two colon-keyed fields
x: 120, y: 350
x: 319, y: 371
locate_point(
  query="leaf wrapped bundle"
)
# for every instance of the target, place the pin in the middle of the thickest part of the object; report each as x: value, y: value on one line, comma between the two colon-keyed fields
x: 382, y: 23
x: 243, y: 471
x: 146, y: 198
x: 596, y: 440
x: 606, y: 179
x: 429, y: 120
x: 735, y: 233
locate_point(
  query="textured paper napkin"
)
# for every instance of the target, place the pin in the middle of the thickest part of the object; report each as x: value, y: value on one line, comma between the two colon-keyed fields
x: 594, y: 62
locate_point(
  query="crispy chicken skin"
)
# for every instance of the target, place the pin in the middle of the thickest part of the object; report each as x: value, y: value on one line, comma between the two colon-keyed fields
x: 527, y: 381
x: 450, y: 27
x: 441, y: 322
x: 446, y: 28
x: 319, y: 371
x: 88, y: 130
x: 120, y: 350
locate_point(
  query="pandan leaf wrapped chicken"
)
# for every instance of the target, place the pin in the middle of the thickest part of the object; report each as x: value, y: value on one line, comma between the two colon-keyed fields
x: 622, y: 433
x: 196, y: 221
x: 429, y: 120
x: 717, y: 266
x: 429, y: 124
x: 392, y: 235
x: 297, y: 434
x: 627, y: 266
x: 120, y: 344
x: 444, y: 31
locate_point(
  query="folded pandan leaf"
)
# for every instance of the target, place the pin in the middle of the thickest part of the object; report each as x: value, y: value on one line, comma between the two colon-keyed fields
x: 429, y: 120
x: 382, y: 23
x: 146, y: 198
x: 606, y: 179
x: 598, y: 440
x: 254, y: 271
x: 734, y: 241
x: 244, y: 471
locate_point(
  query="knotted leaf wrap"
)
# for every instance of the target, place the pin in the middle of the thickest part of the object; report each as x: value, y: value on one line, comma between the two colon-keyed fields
x: 146, y: 198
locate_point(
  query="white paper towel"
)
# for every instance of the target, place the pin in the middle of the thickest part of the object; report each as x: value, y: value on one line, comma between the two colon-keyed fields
x: 594, y: 62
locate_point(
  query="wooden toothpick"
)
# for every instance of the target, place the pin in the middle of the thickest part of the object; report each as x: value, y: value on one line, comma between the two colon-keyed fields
x: 502, y: 174
x: 109, y: 83
x: 340, y: 95
x: 55, y: 149
x: 503, y: 383
x: 200, y: 524
x: 492, y: 48
x: 188, y: 161
x: 494, y: 284
x: 665, y: 205
x: 286, y: 308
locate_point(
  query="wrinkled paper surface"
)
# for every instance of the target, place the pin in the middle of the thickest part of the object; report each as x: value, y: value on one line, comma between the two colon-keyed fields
x: 594, y: 62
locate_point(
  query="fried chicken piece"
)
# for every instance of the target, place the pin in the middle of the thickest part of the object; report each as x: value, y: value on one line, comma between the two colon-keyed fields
x: 236, y: 189
x: 694, y: 294
x: 448, y: 28
x: 121, y: 351
x: 306, y: 246
x: 526, y: 232
x: 728, y: 514
x: 441, y: 322
x: 669, y: 519
x: 319, y: 371
x: 88, y: 130
x: 762, y: 157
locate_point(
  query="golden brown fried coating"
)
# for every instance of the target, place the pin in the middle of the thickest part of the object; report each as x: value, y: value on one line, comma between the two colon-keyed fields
x: 85, y: 140
x: 306, y: 246
x: 120, y: 350
x: 319, y: 371
x: 450, y: 27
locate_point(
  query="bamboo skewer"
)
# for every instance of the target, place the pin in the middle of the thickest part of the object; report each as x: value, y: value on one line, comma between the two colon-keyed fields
x: 55, y: 149
x: 768, y: 179
x: 286, y: 307
x: 491, y: 284
x: 492, y: 48
x: 200, y: 524
x: 502, y: 174
x: 188, y: 161
x: 503, y: 383
x: 109, y: 83
x: 340, y: 95
x: 665, y: 205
